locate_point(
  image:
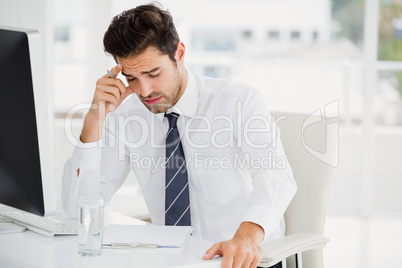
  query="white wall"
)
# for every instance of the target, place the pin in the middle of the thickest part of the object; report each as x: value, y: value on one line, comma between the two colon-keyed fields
x: 34, y: 15
x: 346, y: 186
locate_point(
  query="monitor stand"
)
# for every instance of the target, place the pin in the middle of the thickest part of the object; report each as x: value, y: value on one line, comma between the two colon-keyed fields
x: 7, y: 227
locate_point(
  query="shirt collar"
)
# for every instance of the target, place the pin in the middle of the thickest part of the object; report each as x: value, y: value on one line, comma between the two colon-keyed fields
x: 188, y: 102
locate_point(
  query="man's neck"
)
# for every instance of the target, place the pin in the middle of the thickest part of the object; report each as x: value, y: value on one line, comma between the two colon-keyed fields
x: 183, y: 86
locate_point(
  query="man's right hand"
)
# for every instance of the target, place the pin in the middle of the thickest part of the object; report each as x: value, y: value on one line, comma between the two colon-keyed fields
x: 109, y: 94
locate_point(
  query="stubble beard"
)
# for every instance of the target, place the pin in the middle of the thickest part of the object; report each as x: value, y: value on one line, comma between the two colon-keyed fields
x: 171, y: 98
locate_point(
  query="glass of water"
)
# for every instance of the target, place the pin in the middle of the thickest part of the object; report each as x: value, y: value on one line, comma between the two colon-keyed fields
x: 90, y: 225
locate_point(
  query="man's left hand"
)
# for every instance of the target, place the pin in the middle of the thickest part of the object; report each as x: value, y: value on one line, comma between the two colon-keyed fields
x: 243, y: 250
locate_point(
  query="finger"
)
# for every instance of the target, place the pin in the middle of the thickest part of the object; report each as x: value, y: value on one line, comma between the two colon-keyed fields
x: 115, y: 71
x: 111, y: 107
x: 257, y: 259
x: 109, y: 90
x: 109, y: 98
x: 247, y: 262
x: 116, y: 83
x: 255, y: 263
x: 128, y: 92
x: 239, y: 259
x: 227, y: 261
x: 214, y: 250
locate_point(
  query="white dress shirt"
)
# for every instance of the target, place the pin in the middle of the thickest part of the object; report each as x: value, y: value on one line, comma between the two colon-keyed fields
x: 237, y: 169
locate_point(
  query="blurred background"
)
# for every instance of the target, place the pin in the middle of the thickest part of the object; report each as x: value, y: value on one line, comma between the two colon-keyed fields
x: 301, y: 54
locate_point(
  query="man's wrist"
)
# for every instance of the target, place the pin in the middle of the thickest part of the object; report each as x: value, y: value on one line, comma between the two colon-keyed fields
x: 251, y: 231
x: 92, y: 129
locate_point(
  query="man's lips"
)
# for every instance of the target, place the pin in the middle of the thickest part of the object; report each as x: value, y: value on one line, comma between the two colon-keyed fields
x: 153, y: 101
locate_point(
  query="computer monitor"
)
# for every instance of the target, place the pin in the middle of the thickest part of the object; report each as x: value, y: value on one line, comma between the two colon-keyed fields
x: 26, y: 162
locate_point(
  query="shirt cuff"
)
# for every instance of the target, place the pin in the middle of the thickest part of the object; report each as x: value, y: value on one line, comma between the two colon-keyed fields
x: 86, y: 156
x: 264, y: 217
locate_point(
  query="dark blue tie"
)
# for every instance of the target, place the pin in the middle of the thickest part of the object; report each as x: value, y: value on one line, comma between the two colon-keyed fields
x: 177, y: 202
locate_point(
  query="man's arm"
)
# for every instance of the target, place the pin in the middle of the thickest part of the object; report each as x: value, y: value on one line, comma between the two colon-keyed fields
x: 82, y: 172
x: 273, y: 185
x: 109, y: 94
x: 243, y: 250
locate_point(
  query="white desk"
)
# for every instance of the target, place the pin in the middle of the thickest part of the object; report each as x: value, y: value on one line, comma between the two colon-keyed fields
x: 29, y: 249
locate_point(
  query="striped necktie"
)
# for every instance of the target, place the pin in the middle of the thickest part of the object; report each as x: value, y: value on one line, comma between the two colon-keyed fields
x: 177, y: 201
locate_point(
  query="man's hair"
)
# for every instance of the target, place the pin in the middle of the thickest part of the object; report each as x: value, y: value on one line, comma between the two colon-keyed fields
x: 133, y: 31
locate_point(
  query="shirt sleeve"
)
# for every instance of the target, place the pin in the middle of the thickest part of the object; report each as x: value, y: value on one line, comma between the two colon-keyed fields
x: 94, y: 169
x: 272, y: 177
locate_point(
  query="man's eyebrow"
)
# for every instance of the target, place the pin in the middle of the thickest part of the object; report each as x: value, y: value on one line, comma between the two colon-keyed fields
x: 145, y: 72
x: 151, y: 71
x: 126, y: 74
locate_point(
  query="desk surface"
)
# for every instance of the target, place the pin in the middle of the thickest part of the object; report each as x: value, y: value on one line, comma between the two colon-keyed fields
x: 29, y: 249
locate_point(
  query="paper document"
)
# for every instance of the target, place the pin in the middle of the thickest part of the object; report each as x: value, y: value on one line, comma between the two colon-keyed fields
x: 163, y: 236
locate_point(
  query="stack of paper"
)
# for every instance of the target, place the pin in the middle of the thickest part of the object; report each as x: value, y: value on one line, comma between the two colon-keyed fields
x: 163, y: 236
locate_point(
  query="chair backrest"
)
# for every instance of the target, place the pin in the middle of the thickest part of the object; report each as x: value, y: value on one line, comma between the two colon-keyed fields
x: 311, y: 146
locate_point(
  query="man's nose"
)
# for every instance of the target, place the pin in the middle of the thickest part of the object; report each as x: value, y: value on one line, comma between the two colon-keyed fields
x: 145, y: 89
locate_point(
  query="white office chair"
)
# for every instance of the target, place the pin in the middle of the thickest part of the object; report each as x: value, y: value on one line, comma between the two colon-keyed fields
x: 311, y: 146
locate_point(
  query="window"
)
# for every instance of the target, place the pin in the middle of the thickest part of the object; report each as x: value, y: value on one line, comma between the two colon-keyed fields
x: 211, y: 71
x: 273, y: 35
x: 221, y: 44
x: 389, y: 89
x: 390, y: 31
x: 315, y: 36
x: 62, y: 34
x: 207, y: 39
x: 295, y: 35
x: 247, y: 34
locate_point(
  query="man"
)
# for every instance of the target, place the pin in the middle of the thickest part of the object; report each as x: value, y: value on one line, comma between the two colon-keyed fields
x: 234, y: 183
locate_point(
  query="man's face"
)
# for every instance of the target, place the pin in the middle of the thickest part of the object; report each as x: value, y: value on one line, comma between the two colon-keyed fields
x: 155, y: 78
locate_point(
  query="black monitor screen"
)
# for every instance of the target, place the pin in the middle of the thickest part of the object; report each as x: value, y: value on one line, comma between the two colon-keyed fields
x: 20, y: 172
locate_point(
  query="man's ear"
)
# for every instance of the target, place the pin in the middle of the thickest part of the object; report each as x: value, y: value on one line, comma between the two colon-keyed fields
x: 180, y: 52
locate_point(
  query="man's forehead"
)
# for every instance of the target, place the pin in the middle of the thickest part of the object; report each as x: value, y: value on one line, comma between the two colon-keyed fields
x: 144, y: 62
x: 148, y: 52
